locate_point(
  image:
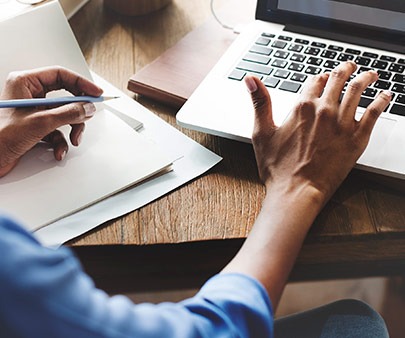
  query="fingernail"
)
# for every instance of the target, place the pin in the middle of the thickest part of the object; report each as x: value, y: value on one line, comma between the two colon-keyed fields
x: 89, y: 109
x: 387, y: 92
x: 250, y: 84
x: 62, y: 157
x: 354, y: 64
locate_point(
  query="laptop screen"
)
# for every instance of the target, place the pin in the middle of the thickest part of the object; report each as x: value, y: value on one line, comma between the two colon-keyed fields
x: 388, y: 14
x: 365, y: 17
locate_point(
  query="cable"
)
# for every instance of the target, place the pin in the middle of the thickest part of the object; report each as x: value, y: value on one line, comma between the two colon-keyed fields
x: 218, y: 20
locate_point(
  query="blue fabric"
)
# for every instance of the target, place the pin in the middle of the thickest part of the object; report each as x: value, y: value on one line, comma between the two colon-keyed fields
x: 45, y: 293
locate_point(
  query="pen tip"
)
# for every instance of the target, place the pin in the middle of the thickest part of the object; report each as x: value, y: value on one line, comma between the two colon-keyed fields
x: 106, y: 98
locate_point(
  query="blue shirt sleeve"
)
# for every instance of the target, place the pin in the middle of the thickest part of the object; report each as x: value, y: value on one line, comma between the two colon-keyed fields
x: 45, y: 293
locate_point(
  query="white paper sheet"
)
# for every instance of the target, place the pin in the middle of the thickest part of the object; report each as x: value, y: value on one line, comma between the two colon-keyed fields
x: 111, y: 157
x: 193, y: 160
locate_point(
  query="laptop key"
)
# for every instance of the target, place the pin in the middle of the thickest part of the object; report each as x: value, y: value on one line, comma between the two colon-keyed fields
x: 379, y: 64
x: 268, y: 35
x: 237, y: 74
x: 261, y: 50
x: 370, y: 92
x: 281, y: 54
x: 353, y: 51
x: 318, y: 44
x: 383, y: 75
x: 254, y: 67
x: 362, y: 61
x: 314, y: 61
x: 397, y: 109
x: 313, y: 70
x: 295, y: 48
x: 281, y: 73
x: 312, y: 51
x: 331, y: 64
x: 398, y: 88
x: 290, y: 86
x: 363, y: 69
x: 263, y: 41
x: 399, y: 78
x: 279, y: 63
x: 262, y: 59
x: 297, y: 67
x: 370, y: 55
x: 380, y: 84
x: 298, y: 58
x: 400, y: 99
x: 271, y: 82
x: 336, y: 48
x: 397, y: 68
x: 345, y: 57
x: 279, y: 44
x: 299, y: 77
x: 388, y: 58
x: 329, y: 54
x: 302, y: 41
x: 285, y: 38
x: 364, y: 102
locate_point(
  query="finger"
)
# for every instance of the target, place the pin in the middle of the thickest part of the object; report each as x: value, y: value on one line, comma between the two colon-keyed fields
x: 58, y: 143
x: 76, y: 133
x: 374, y: 111
x: 261, y: 103
x: 47, y: 79
x: 315, y: 86
x: 51, y: 119
x: 337, y: 80
x: 355, y: 88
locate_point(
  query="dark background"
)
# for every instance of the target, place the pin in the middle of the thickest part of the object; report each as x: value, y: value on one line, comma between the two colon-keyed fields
x: 391, y: 5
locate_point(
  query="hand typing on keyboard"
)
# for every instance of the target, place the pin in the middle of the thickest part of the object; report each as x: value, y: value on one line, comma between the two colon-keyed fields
x: 285, y: 62
x: 301, y: 164
x: 321, y: 140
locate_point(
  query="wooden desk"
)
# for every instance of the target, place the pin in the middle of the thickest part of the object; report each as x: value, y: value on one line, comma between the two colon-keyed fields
x: 185, y: 237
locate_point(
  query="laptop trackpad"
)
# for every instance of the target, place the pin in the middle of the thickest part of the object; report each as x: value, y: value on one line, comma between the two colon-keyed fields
x: 377, y: 147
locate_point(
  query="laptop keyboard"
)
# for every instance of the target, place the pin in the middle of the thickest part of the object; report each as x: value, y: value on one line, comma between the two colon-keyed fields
x: 285, y: 62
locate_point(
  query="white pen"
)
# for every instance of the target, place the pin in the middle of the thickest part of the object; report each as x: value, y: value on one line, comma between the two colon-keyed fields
x: 52, y: 101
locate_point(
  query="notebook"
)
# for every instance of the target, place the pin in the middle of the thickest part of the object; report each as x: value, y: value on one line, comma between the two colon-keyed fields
x: 111, y: 157
x: 291, y: 41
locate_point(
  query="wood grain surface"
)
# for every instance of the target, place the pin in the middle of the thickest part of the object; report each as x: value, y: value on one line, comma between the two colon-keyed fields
x: 361, y: 231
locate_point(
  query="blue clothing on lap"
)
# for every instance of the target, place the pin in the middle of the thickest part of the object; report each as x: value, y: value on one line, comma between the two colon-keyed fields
x: 45, y: 293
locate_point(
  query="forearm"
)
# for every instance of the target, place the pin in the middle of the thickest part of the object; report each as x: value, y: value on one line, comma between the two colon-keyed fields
x: 271, y: 248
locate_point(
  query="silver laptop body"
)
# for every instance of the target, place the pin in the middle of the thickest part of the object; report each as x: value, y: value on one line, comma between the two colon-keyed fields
x: 289, y: 42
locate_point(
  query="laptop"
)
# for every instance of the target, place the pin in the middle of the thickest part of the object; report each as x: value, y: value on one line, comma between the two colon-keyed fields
x: 289, y: 42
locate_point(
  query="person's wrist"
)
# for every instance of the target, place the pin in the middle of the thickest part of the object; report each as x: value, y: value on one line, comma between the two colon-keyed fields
x: 297, y: 190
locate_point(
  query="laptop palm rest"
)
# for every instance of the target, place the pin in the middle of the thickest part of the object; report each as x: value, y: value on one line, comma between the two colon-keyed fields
x: 380, y: 143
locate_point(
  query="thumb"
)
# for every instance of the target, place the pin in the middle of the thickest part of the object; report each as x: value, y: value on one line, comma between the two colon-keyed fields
x: 261, y: 103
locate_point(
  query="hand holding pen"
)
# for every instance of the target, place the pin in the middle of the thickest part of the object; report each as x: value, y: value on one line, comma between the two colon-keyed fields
x: 22, y: 129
